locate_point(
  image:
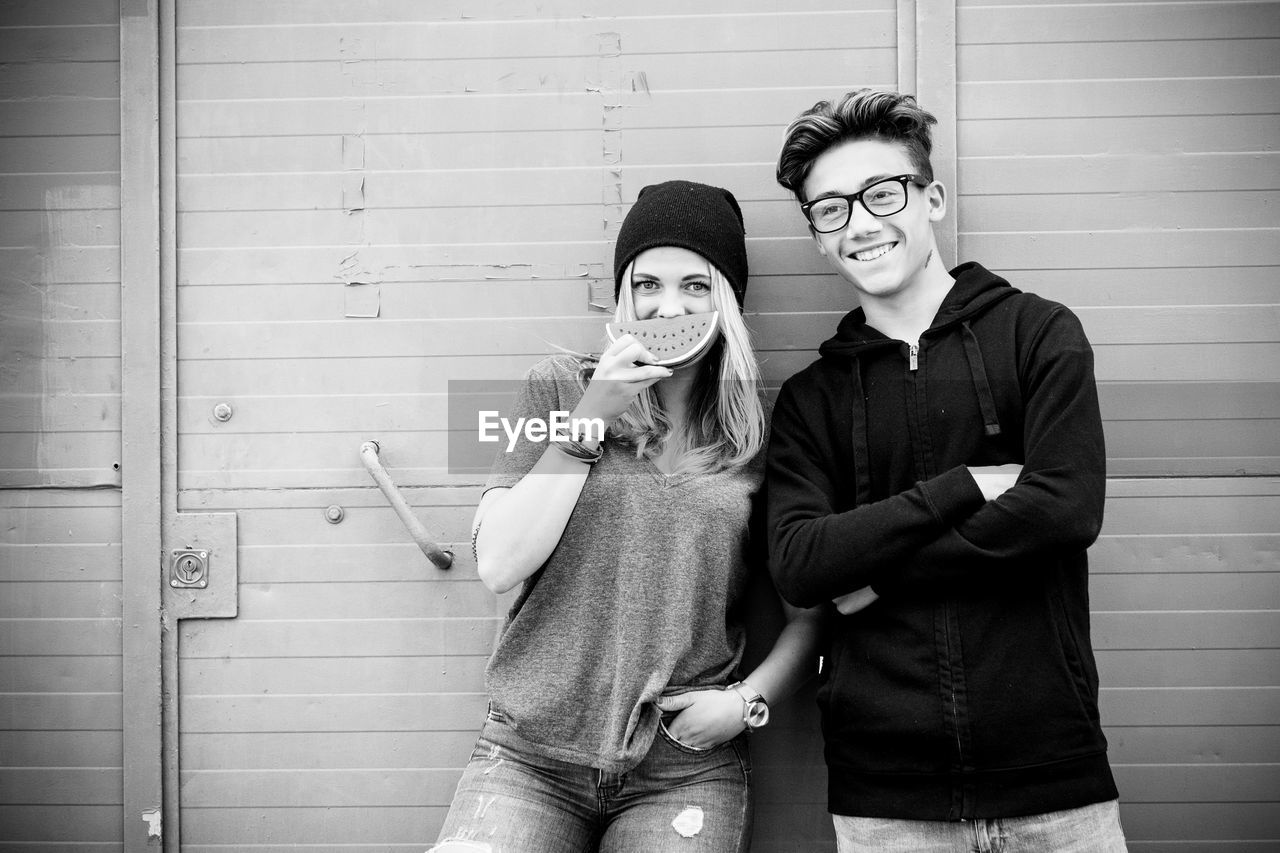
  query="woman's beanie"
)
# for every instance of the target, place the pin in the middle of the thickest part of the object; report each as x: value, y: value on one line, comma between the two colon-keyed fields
x: 697, y: 217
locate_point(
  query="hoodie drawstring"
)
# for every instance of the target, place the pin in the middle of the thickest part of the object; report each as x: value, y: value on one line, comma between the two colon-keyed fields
x: 978, y: 370
x: 861, y: 448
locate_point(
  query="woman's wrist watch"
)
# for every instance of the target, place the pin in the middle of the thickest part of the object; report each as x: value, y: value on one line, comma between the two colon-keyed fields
x: 755, y: 711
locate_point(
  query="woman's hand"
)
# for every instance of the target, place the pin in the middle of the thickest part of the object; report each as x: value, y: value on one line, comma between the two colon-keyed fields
x: 625, y: 369
x: 995, y: 480
x: 859, y: 599
x: 707, y: 718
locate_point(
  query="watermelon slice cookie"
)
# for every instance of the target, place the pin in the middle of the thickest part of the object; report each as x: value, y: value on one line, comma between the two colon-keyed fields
x: 674, y: 341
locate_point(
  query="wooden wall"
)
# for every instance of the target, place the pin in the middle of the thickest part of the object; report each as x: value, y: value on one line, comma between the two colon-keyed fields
x: 375, y: 198
x: 60, y: 568
x: 1121, y: 158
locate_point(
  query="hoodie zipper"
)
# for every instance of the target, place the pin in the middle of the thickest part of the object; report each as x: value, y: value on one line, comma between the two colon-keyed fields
x: 913, y: 351
x: 957, y: 812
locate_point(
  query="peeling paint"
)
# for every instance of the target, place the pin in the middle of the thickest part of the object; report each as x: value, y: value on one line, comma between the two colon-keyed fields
x: 353, y: 155
x: 362, y: 299
x: 153, y: 820
x: 609, y: 44
x: 352, y: 270
x: 689, y: 822
x: 507, y: 272
x: 353, y: 193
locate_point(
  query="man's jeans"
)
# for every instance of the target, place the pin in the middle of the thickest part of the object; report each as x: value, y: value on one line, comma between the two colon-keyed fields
x: 1092, y: 829
x: 677, y: 798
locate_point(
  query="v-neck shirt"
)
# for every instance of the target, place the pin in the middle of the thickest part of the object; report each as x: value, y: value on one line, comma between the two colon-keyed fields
x: 640, y: 598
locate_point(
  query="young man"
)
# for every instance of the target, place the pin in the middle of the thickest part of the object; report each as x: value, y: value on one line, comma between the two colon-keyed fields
x: 938, y: 473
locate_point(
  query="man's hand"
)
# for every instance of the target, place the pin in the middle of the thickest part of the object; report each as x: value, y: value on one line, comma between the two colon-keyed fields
x: 857, y: 600
x: 995, y: 480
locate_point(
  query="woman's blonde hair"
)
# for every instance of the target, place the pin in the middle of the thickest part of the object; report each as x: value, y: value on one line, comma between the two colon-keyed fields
x: 725, y: 425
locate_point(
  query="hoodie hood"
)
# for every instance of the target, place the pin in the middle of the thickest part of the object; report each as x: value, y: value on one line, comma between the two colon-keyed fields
x: 975, y: 291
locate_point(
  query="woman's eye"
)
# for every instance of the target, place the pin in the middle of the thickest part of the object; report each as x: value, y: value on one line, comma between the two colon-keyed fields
x: 647, y: 286
x: 698, y: 286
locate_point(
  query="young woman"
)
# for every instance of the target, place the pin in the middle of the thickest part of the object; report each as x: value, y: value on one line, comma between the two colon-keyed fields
x: 618, y: 707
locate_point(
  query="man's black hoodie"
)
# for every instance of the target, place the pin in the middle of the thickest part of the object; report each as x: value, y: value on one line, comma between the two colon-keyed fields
x: 969, y: 689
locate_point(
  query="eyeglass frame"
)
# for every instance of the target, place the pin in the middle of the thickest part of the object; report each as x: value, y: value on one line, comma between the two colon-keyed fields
x: 857, y: 198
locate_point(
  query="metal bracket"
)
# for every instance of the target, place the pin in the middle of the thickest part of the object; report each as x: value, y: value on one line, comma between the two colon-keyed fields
x: 189, y: 569
x: 194, y: 590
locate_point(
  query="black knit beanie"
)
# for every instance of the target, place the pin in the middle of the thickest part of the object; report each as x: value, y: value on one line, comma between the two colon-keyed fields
x: 697, y: 217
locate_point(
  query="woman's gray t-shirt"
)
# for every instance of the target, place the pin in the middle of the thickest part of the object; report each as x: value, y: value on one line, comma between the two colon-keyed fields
x: 641, y: 597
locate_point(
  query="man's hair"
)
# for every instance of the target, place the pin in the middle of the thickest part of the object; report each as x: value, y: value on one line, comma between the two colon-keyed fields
x: 860, y: 114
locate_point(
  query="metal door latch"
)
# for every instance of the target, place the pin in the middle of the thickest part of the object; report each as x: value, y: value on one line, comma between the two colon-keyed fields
x: 189, y: 569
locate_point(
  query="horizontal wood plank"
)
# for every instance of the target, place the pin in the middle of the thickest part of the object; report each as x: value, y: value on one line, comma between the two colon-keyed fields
x: 25, y: 154
x: 480, y: 75
x: 1120, y: 211
x: 1170, y: 783
x: 1181, y: 95
x: 1092, y: 59
x: 235, y: 751
x: 1189, y: 667
x: 57, y: 712
x: 1211, y: 171
x: 1218, y: 706
x: 414, y: 600
x: 62, y: 749
x: 1119, y: 22
x: 62, y: 786
x: 325, y: 713
x: 1190, y: 745
x: 69, y: 525
x: 77, y: 827
x: 339, y: 637
x: 1167, y: 823
x: 1236, y: 591
x: 247, y: 13
x: 1201, y: 247
x: 337, y: 675
x: 1186, y: 629
x: 60, y: 599
x: 300, y: 828
x: 533, y: 37
x: 1137, y: 552
x: 55, y: 562
x: 66, y: 41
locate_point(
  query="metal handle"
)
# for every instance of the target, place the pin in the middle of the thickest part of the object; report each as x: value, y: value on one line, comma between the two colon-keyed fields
x: 442, y: 558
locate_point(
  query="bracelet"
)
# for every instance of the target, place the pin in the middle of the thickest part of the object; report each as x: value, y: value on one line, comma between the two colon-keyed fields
x: 575, y: 449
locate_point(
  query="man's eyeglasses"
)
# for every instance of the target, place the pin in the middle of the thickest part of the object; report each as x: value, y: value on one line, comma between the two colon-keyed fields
x: 883, y: 198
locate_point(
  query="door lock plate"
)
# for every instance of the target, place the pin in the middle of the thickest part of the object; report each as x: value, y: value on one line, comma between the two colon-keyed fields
x: 189, y: 569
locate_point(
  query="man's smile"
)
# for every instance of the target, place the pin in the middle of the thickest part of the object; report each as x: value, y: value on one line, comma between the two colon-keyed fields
x: 874, y: 252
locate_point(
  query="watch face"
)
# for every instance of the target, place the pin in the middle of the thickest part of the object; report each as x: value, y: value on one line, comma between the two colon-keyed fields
x: 757, y: 714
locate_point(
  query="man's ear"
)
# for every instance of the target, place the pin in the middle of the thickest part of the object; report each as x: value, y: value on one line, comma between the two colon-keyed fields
x: 935, y: 196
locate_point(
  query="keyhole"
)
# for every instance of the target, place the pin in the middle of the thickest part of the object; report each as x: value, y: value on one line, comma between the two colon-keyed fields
x: 189, y: 568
